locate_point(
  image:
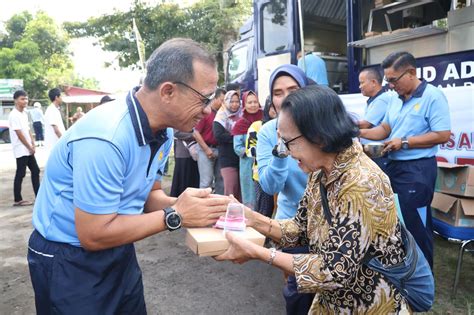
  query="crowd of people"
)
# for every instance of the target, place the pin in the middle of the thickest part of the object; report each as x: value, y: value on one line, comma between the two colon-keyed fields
x: 296, y: 164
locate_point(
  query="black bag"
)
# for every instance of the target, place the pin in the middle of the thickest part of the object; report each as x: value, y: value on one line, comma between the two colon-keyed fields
x: 412, y: 277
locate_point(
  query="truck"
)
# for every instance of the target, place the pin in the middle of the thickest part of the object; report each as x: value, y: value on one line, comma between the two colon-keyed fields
x: 350, y: 35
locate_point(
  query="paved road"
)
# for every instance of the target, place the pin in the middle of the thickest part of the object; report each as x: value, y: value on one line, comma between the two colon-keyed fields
x: 176, y: 281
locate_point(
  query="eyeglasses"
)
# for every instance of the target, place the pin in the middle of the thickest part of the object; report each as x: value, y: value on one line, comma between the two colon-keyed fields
x: 287, y: 143
x: 395, y: 80
x: 206, y: 100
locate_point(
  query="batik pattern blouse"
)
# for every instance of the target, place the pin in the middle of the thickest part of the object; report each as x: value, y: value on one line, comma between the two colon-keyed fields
x: 364, y: 219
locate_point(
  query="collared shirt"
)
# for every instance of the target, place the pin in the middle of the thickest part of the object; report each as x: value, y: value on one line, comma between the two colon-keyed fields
x: 105, y: 163
x: 427, y: 110
x: 364, y: 218
x: 19, y: 121
x: 376, y: 109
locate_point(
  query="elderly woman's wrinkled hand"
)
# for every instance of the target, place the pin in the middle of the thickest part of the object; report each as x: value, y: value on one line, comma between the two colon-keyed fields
x: 239, y: 251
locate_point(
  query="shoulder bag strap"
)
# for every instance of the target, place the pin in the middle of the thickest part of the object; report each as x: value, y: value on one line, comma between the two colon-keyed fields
x: 324, y: 199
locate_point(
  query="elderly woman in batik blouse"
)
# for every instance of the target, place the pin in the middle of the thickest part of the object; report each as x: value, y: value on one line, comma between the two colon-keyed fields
x: 318, y: 133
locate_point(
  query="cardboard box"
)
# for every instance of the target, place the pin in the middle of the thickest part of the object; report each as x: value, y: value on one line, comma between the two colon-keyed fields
x: 455, y: 179
x: 212, y: 242
x: 453, y: 210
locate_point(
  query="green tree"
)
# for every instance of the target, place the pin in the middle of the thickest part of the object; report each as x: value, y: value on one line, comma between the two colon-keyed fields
x: 35, y: 49
x: 207, y: 21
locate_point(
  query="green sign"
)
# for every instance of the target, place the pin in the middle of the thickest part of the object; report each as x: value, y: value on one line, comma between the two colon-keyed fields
x: 9, y: 86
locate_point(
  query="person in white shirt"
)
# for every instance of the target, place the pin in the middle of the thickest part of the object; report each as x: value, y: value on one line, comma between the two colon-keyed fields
x: 54, y: 125
x: 38, y: 120
x: 23, y: 147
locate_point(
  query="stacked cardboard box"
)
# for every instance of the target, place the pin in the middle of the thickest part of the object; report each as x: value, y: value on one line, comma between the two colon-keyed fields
x: 453, y: 203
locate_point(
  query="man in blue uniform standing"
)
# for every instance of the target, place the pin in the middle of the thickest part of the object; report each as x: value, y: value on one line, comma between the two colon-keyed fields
x: 370, y: 84
x: 102, y: 189
x: 416, y: 122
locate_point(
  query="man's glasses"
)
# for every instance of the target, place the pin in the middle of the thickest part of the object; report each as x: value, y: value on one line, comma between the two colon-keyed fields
x: 395, y: 80
x: 206, y: 100
x: 287, y: 143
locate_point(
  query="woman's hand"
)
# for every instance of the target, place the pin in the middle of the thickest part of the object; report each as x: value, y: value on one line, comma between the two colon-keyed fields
x: 248, y: 213
x: 240, y: 249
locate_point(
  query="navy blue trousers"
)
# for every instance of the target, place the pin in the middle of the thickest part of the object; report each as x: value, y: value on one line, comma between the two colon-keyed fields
x: 296, y: 303
x: 70, y: 280
x: 414, y: 182
x: 38, y: 127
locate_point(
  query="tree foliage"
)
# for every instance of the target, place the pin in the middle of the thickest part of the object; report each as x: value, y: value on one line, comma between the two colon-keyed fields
x: 206, y: 21
x: 35, y: 49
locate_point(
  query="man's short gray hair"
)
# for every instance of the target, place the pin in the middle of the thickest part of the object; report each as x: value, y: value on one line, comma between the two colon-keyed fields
x: 173, y: 61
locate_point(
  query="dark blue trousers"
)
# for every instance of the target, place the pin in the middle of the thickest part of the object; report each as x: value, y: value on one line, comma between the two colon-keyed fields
x: 70, y: 280
x: 296, y: 303
x: 38, y: 127
x: 414, y: 182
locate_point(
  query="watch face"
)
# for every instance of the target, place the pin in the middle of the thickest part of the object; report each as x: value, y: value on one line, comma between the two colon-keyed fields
x: 173, y: 220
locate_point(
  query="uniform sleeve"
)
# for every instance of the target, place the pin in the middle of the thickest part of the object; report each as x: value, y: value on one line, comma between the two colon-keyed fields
x: 239, y: 145
x: 439, y: 116
x: 340, y: 256
x: 98, y: 175
x: 376, y: 111
x: 272, y: 171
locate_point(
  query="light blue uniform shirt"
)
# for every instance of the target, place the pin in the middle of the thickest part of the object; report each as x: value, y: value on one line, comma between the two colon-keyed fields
x: 107, y: 162
x: 315, y: 68
x: 280, y: 176
x: 376, y: 109
x: 427, y: 110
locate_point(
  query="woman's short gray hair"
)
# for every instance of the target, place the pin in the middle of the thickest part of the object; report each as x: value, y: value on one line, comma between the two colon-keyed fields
x: 173, y: 61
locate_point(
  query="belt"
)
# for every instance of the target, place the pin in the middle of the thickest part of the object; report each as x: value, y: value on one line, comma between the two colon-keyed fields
x: 212, y: 146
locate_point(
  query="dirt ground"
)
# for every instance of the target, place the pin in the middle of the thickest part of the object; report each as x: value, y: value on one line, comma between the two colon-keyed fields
x: 176, y: 281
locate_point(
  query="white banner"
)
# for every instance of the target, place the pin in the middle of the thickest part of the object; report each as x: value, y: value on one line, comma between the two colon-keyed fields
x: 460, y: 147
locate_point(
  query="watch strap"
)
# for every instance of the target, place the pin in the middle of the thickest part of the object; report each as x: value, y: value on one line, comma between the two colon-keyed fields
x: 169, y: 211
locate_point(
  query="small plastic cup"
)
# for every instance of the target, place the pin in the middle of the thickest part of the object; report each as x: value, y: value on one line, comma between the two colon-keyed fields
x: 234, y: 218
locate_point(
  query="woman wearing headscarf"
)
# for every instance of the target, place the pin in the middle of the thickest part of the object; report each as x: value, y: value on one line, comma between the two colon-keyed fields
x: 251, y: 113
x: 281, y: 175
x: 224, y: 122
x: 358, y: 221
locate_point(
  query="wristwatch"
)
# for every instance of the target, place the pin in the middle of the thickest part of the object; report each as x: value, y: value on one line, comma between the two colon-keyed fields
x: 405, y: 143
x: 172, y: 219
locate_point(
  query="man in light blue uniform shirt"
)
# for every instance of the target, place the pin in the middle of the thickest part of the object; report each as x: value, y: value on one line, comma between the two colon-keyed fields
x: 102, y: 189
x: 315, y: 68
x: 416, y: 122
x: 370, y: 84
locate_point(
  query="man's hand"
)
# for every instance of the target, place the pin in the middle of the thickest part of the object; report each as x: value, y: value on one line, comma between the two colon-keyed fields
x: 394, y: 144
x: 199, y: 209
x: 32, y: 150
x: 210, y: 154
